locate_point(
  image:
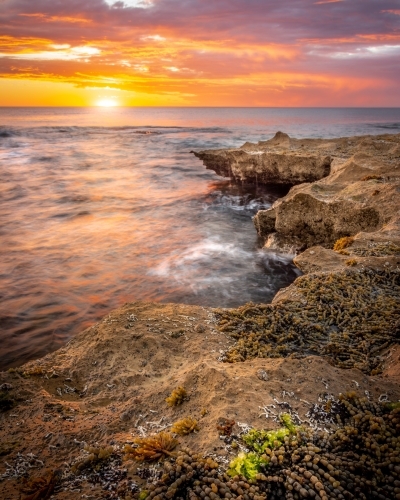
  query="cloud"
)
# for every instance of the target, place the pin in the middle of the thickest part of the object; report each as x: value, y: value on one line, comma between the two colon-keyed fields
x: 396, y: 12
x: 62, y: 52
x: 368, y: 52
x: 56, y: 19
x: 321, y: 2
x: 205, y: 48
x: 141, y: 68
x: 141, y: 4
x: 153, y: 38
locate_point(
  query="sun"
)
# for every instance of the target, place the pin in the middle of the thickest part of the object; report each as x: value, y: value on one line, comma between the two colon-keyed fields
x: 107, y: 102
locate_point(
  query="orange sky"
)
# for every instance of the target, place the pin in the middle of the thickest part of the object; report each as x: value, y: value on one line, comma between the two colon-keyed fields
x: 200, y: 53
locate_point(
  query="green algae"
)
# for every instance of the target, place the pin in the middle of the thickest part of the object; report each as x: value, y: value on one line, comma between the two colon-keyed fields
x: 260, y: 440
x: 247, y: 465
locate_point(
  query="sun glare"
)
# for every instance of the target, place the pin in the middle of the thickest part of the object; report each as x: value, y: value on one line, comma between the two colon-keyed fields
x: 106, y: 103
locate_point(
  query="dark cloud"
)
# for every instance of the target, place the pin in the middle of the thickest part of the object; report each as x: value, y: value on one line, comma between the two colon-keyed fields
x: 261, y: 20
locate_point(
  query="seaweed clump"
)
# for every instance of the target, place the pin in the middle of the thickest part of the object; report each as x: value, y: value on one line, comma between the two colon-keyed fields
x: 261, y: 440
x: 377, y: 249
x: 351, y: 262
x: 94, y: 456
x: 343, y: 243
x: 151, y: 448
x: 349, y: 317
x: 225, y: 426
x: 41, y: 488
x: 35, y: 371
x: 262, y: 443
x: 177, y: 397
x: 185, y: 426
x: 247, y: 465
x: 359, y: 459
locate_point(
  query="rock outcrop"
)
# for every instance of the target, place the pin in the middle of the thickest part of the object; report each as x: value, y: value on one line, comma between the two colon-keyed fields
x: 360, y: 195
x: 339, y: 186
x: 304, y: 221
x: 378, y: 250
x: 280, y: 160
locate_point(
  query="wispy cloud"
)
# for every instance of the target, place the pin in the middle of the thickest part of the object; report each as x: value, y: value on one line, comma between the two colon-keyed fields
x: 396, y: 12
x: 139, y: 4
x: 368, y: 52
x: 153, y: 38
x: 56, y: 19
x: 321, y: 2
x: 58, y: 53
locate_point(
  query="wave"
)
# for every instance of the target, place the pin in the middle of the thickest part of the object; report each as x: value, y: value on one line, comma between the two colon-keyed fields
x: 6, y: 132
x: 70, y: 215
x: 43, y: 158
x: 196, y: 258
x: 146, y: 129
x: 138, y: 130
x: 239, y: 203
x: 388, y: 126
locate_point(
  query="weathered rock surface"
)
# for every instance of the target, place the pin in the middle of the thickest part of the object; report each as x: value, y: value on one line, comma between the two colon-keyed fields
x: 280, y: 160
x: 319, y: 259
x: 377, y: 250
x: 304, y: 220
x: 109, y: 385
x: 362, y: 194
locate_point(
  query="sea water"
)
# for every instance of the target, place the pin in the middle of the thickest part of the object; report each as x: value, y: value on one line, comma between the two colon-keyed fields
x: 102, y: 206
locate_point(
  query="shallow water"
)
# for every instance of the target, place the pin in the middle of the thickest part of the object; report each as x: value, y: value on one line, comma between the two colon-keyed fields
x: 94, y: 216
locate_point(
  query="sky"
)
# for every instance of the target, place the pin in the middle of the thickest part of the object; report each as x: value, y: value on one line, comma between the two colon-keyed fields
x: 200, y: 53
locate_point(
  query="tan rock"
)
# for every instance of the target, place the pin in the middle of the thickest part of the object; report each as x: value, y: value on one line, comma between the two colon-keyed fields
x: 268, y: 162
x: 360, y: 195
x: 124, y: 368
x: 320, y: 259
x: 304, y: 220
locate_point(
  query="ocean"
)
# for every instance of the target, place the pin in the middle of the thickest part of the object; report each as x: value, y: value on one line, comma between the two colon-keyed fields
x: 102, y: 206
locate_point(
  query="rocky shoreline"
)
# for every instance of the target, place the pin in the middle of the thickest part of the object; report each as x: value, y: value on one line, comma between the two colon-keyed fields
x: 335, y: 330
x: 357, y: 191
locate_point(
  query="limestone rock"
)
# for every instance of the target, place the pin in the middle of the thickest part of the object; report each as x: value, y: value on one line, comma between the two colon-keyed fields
x: 319, y: 259
x: 360, y: 195
x: 276, y: 161
x: 304, y: 220
x: 265, y: 221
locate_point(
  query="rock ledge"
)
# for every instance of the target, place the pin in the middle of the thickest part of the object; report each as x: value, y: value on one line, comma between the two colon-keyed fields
x: 277, y: 161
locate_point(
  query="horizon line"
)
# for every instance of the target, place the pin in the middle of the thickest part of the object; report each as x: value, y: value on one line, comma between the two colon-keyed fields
x: 212, y: 107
